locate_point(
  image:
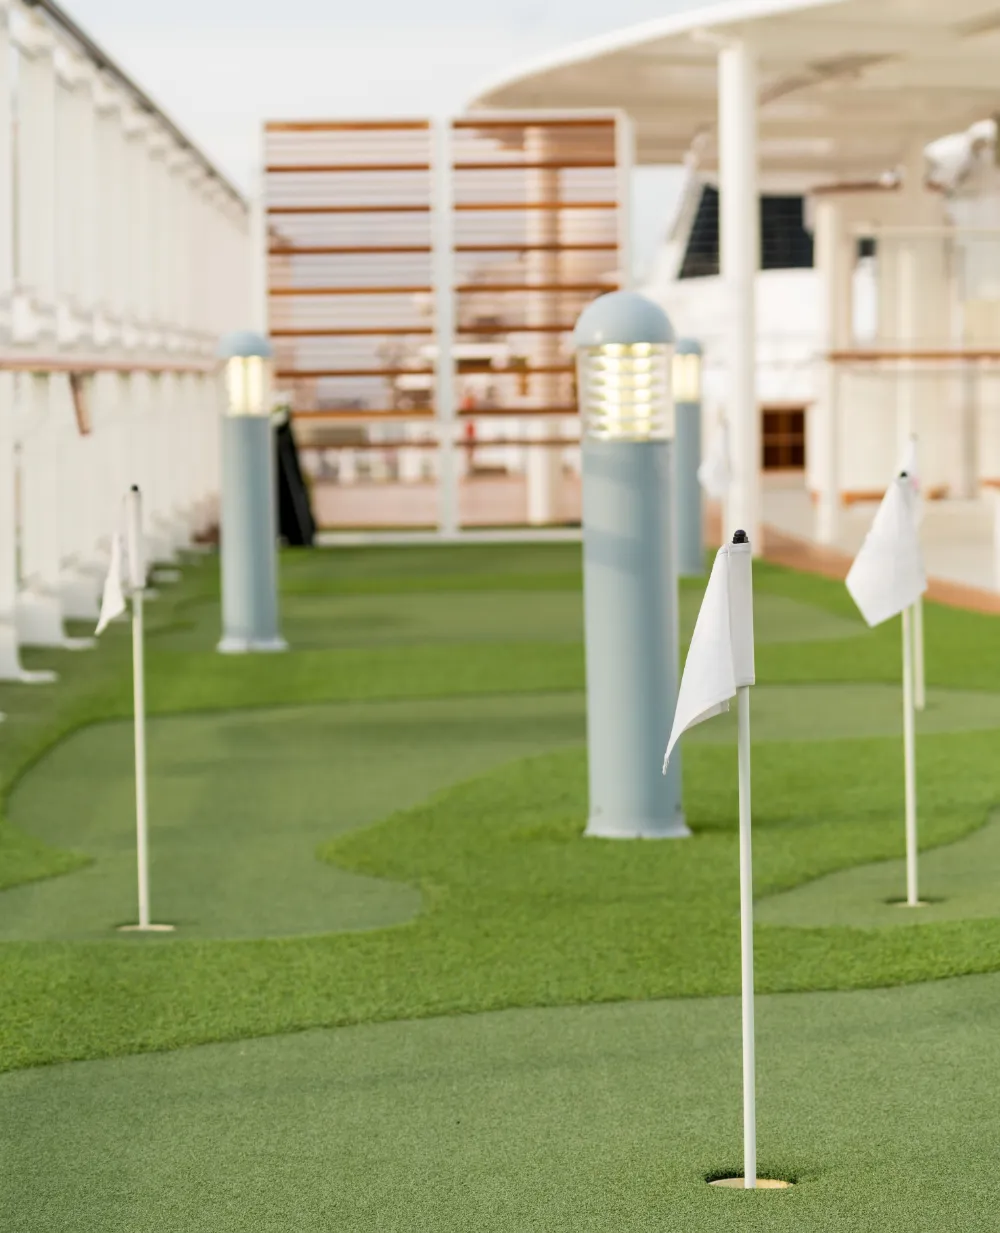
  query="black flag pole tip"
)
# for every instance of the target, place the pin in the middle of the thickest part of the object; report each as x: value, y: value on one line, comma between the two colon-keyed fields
x: 135, y: 488
x: 741, y: 537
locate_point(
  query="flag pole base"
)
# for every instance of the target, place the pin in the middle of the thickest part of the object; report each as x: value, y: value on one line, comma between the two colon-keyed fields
x: 903, y: 903
x: 146, y: 928
x: 43, y: 676
x: 763, y: 1183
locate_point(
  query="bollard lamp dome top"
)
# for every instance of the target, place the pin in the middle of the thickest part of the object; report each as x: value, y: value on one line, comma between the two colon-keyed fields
x: 687, y: 346
x: 244, y: 344
x: 622, y: 318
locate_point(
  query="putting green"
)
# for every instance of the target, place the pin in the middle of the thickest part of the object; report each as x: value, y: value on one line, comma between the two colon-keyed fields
x: 241, y: 801
x: 239, y: 804
x: 881, y: 1106
x: 960, y: 881
x: 311, y: 622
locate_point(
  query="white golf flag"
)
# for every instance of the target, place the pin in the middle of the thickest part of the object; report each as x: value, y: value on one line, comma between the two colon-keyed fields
x: 113, y: 599
x: 888, y: 573
x: 720, y: 659
x: 714, y: 474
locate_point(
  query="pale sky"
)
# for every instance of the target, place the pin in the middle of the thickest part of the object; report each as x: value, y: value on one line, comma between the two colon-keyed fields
x: 220, y: 67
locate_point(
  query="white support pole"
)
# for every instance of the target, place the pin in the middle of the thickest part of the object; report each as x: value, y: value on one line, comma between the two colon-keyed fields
x: 746, y: 945
x: 834, y: 260
x: 910, y: 762
x: 919, y: 682
x: 739, y: 235
x: 543, y: 463
x: 137, y: 585
x: 625, y: 160
x: 444, y: 330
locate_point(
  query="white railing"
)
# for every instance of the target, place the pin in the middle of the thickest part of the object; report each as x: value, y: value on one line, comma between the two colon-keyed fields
x: 123, y: 257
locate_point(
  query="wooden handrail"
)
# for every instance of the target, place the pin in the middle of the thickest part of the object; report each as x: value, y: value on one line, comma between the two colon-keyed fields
x: 90, y: 365
x: 346, y: 126
x: 930, y: 355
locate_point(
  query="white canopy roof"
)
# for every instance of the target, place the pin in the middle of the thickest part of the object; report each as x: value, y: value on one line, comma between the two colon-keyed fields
x: 848, y: 88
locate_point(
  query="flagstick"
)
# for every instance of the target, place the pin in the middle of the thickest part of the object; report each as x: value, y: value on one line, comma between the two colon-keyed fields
x: 746, y: 945
x: 137, y: 580
x: 139, y: 704
x: 910, y: 761
x: 919, y: 693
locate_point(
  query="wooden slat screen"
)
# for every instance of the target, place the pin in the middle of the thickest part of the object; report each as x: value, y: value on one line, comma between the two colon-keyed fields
x: 349, y: 220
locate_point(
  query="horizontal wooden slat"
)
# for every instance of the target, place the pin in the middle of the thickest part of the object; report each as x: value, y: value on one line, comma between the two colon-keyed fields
x: 521, y: 288
x: 346, y: 126
x: 523, y: 122
x: 341, y: 168
x: 516, y: 442
x: 313, y: 374
x: 566, y: 164
x: 423, y: 208
x: 534, y: 205
x: 461, y: 206
x: 364, y: 417
x: 463, y: 288
x: 400, y: 290
x: 88, y: 366
x: 348, y: 250
x: 536, y: 248
x: 302, y: 374
x: 509, y: 328
x: 373, y: 331
x: 864, y: 356
x: 514, y: 413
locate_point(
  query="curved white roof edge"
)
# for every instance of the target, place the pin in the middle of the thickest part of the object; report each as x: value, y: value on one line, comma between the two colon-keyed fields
x: 726, y: 13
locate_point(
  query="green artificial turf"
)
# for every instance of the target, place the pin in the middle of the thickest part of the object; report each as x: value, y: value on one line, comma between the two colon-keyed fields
x: 240, y: 804
x: 882, y: 1107
x: 518, y: 909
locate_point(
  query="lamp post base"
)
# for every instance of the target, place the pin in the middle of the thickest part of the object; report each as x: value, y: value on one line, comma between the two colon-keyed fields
x: 637, y: 828
x: 245, y: 646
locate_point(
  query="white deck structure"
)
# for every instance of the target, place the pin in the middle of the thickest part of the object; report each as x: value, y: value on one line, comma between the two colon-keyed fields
x: 123, y: 257
x: 837, y: 99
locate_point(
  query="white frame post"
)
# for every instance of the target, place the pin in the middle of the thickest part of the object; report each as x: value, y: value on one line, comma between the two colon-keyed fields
x: 739, y: 247
x: 443, y: 278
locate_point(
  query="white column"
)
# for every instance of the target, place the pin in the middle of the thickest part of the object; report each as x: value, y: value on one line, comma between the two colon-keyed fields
x: 40, y: 609
x: 444, y: 316
x: 10, y: 663
x: 111, y: 207
x: 834, y: 264
x: 543, y: 464
x: 36, y: 179
x: 739, y: 242
x: 257, y: 316
x: 625, y: 158
x: 10, y: 660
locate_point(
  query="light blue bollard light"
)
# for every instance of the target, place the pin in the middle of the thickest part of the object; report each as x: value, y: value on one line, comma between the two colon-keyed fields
x: 249, y: 524
x: 687, y: 458
x: 624, y: 346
